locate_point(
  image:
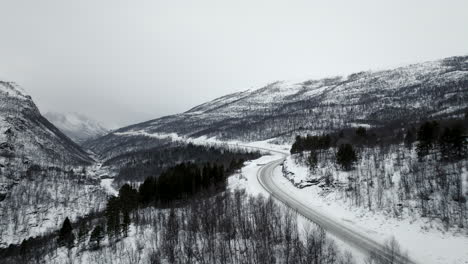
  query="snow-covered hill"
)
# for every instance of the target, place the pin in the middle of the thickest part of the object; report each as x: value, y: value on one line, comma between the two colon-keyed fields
x: 43, y: 177
x: 78, y: 127
x: 26, y: 136
x: 411, y: 93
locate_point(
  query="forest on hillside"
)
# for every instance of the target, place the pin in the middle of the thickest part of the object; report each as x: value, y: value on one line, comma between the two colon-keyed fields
x: 43, y: 197
x: 416, y: 171
x: 235, y: 229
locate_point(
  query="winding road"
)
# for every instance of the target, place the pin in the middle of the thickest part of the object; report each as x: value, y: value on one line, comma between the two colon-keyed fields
x: 351, y: 237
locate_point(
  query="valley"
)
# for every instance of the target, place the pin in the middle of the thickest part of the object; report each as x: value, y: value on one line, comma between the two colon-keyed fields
x: 373, y: 165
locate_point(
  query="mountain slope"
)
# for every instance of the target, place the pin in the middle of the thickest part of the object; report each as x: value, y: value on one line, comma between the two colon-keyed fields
x: 26, y: 134
x: 43, y: 177
x: 28, y: 139
x: 410, y: 93
x: 76, y: 126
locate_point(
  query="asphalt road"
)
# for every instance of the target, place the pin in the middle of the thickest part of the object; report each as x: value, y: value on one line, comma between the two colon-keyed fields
x: 332, y: 226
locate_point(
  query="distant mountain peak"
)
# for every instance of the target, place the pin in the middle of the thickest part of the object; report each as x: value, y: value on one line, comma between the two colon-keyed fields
x: 78, y: 127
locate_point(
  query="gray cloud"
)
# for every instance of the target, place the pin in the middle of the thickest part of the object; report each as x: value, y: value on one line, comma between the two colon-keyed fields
x: 126, y: 61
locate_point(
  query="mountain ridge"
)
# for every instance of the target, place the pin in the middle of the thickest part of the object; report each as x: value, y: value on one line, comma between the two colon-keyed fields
x: 44, y: 175
x: 405, y: 94
x: 27, y: 139
x: 33, y: 134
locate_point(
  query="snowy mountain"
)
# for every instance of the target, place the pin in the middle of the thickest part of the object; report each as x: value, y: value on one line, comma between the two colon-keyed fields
x: 282, y: 109
x: 25, y: 134
x: 76, y: 126
x: 27, y: 139
x: 43, y: 177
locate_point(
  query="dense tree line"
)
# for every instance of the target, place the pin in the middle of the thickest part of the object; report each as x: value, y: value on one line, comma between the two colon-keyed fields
x: 137, y: 166
x: 176, y: 185
x: 183, y: 181
x: 311, y: 143
x: 446, y: 140
x: 450, y: 141
x: 346, y: 156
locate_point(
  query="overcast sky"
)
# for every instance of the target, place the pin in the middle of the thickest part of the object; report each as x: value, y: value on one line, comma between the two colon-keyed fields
x: 122, y: 62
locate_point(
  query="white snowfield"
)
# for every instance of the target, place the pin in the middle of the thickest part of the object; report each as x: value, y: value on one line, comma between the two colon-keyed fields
x: 362, y: 231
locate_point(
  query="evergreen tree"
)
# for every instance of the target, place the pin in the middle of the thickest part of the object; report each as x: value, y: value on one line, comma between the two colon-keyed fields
x: 311, y: 143
x: 312, y: 160
x: 128, y: 197
x: 451, y: 143
x: 427, y: 136
x: 409, y: 139
x: 146, y: 190
x: 66, y: 236
x: 361, y: 132
x: 346, y: 156
x: 113, y: 217
x: 297, y: 145
x: 125, y: 222
x: 24, y: 247
x: 96, y: 236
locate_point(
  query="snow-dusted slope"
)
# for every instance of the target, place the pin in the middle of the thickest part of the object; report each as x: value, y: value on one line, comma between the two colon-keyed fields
x: 25, y: 134
x: 76, y: 126
x: 42, y: 173
x: 28, y: 139
x: 408, y: 93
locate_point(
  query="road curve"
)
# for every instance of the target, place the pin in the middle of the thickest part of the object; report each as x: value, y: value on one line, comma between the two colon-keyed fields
x: 353, y: 238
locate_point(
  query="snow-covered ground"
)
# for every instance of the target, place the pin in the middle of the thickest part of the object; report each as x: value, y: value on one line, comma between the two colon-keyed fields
x: 106, y: 184
x: 422, y: 238
x: 425, y: 245
x: 425, y: 242
x: 247, y: 179
x: 247, y: 176
x: 106, y: 178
